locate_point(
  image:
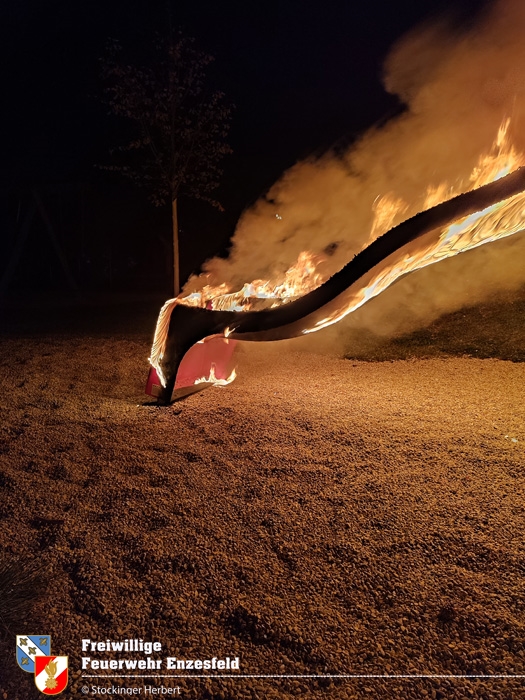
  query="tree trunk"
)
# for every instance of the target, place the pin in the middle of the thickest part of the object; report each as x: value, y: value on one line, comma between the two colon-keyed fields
x: 176, y: 259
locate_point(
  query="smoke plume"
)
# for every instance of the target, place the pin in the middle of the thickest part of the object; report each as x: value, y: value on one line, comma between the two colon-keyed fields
x: 458, y: 88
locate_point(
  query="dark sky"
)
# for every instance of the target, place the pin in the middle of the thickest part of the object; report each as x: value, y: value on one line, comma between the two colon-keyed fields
x: 303, y: 76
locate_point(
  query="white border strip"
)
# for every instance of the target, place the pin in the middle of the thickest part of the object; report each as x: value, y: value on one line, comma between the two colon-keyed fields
x: 328, y: 675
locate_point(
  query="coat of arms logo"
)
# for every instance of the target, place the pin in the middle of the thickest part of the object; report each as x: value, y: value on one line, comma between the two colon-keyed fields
x: 33, y: 654
x: 30, y: 645
x: 51, y: 674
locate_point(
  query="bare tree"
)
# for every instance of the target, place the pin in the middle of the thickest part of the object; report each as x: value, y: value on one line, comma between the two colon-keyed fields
x: 180, y: 124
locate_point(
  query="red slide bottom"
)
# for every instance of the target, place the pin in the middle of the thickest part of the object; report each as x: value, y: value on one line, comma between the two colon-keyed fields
x: 205, y: 362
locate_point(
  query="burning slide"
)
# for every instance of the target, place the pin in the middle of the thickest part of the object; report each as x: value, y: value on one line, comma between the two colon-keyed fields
x: 456, y: 155
x: 487, y: 213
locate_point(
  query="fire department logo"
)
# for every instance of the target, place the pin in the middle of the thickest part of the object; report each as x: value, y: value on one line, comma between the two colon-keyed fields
x: 51, y: 674
x: 28, y: 647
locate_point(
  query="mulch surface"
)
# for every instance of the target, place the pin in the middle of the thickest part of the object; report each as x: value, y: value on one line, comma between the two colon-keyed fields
x: 317, y: 517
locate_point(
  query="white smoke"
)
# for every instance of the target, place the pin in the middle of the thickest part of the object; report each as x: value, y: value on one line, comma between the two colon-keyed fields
x: 458, y: 89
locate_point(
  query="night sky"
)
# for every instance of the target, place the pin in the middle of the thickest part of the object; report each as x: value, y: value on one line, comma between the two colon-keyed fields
x: 304, y: 76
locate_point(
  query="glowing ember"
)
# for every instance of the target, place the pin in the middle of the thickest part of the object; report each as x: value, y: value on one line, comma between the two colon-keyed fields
x: 212, y: 379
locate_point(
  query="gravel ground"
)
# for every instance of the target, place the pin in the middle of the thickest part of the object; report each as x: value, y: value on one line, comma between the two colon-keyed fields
x: 318, y: 516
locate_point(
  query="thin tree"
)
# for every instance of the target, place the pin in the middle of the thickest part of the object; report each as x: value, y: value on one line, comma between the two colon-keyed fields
x: 179, y: 124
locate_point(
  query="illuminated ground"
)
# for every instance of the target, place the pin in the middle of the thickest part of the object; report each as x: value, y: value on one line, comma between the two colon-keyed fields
x: 319, y: 516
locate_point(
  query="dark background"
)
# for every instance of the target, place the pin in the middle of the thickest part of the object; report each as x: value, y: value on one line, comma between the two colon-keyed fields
x: 304, y: 77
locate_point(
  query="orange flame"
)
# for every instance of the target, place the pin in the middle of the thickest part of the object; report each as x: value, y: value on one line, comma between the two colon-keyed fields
x: 212, y: 379
x: 300, y: 278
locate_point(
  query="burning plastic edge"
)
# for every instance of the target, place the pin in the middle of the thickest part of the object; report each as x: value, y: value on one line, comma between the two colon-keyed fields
x: 476, y: 217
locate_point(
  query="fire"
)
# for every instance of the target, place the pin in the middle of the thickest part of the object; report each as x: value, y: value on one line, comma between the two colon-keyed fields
x: 386, y: 209
x: 212, y: 379
x: 490, y: 224
x: 306, y: 274
x: 303, y: 276
x: 299, y: 279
